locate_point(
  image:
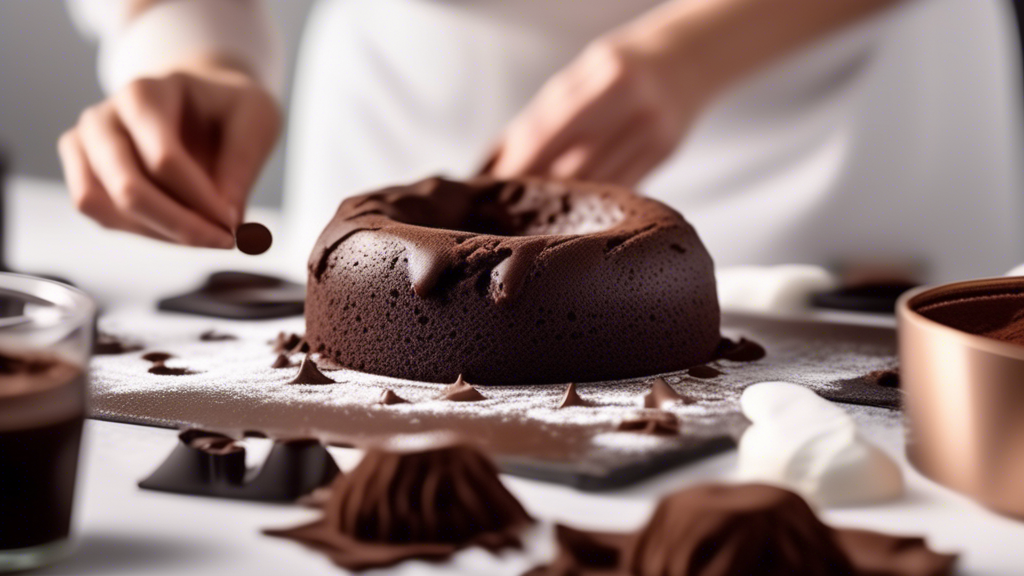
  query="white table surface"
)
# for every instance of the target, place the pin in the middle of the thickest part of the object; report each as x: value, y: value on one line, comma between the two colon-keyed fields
x: 123, y: 530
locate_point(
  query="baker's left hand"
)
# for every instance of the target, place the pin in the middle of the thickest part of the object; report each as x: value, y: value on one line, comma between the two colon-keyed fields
x: 612, y: 115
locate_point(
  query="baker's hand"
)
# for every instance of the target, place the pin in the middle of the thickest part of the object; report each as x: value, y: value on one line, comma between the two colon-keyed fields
x: 172, y: 157
x: 612, y: 115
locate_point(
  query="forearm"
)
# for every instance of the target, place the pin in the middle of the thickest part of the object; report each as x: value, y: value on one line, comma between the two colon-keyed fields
x: 716, y: 42
x: 141, y: 38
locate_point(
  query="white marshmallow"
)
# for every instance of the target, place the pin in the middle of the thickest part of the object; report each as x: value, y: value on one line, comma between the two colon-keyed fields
x: 783, y: 288
x: 803, y: 442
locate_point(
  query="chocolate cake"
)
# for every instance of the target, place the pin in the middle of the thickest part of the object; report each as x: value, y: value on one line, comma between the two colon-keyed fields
x: 523, y: 281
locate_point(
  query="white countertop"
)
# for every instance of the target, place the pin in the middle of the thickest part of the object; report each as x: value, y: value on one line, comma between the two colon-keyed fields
x: 123, y: 530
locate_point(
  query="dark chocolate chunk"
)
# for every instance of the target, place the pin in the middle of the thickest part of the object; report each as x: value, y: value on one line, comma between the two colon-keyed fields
x: 108, y: 344
x: 742, y: 351
x: 253, y: 238
x: 210, y: 464
x: 282, y: 361
x: 662, y: 393
x: 160, y: 369
x: 214, y: 336
x: 461, y: 391
x: 310, y: 374
x: 704, y: 372
x: 363, y: 529
x: 884, y: 378
x: 388, y: 398
x: 572, y: 398
x: 241, y: 296
x: 652, y: 423
x: 157, y: 357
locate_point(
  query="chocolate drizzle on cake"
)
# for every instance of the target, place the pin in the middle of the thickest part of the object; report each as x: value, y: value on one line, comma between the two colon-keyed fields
x: 662, y: 393
x: 309, y: 373
x: 426, y: 503
x: 461, y: 391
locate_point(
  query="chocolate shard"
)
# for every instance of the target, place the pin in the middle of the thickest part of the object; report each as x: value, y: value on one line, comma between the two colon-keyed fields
x: 468, y: 505
x: 310, y: 374
x: 210, y: 464
x: 703, y: 372
x: 282, y: 361
x: 461, y: 391
x: 652, y: 424
x: 157, y: 357
x: 108, y: 344
x: 662, y: 393
x: 572, y: 398
x: 742, y: 351
x: 214, y: 336
x: 389, y: 398
x: 286, y: 343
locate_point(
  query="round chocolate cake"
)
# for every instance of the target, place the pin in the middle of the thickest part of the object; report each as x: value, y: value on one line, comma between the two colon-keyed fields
x: 511, y: 282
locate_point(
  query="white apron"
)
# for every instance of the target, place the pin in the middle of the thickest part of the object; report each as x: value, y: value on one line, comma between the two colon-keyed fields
x: 897, y: 140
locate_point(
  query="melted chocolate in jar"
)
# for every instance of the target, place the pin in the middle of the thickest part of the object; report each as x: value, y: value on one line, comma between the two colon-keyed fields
x: 41, y: 414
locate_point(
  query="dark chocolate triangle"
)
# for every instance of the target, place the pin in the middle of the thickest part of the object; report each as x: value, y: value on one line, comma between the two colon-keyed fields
x: 572, y: 398
x: 461, y: 391
x: 389, y: 398
x: 310, y: 374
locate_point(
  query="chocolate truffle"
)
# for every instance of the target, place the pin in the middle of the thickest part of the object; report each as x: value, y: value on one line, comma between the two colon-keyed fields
x: 424, y: 503
x: 523, y: 281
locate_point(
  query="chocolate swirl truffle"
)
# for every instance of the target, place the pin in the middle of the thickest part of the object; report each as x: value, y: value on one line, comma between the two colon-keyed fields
x: 523, y: 281
x: 422, y: 503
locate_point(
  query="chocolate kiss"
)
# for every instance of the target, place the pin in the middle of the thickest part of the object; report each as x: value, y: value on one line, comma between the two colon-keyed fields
x: 657, y: 424
x: 461, y: 391
x: 281, y: 361
x: 310, y: 374
x: 389, y: 398
x: 572, y: 398
x: 661, y: 393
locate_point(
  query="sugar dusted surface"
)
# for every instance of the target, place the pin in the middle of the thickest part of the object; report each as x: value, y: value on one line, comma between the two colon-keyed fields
x: 234, y: 388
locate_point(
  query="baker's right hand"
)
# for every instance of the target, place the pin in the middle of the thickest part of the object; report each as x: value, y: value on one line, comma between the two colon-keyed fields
x: 172, y: 157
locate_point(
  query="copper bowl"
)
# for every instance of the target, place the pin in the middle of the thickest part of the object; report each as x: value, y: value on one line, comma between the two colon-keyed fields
x: 964, y: 398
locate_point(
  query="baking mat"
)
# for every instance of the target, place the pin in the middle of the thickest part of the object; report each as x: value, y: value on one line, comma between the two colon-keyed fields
x: 233, y: 389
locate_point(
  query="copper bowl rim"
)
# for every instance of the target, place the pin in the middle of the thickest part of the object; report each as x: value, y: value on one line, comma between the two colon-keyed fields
x: 909, y: 301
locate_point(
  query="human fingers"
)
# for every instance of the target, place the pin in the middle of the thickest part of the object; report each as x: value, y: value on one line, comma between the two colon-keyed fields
x: 116, y: 166
x: 249, y: 136
x: 638, y: 151
x: 86, y: 191
x: 150, y: 110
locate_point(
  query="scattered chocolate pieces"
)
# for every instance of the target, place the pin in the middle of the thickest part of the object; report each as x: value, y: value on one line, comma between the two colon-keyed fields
x: 572, y: 398
x: 704, y: 372
x: 160, y: 369
x: 211, y: 464
x: 884, y: 378
x: 662, y: 393
x: 742, y: 351
x: 286, y: 343
x: 714, y: 530
x: 157, y: 357
x: 282, y: 361
x: 389, y: 398
x: 214, y: 336
x: 253, y: 238
x: 310, y: 374
x: 426, y: 504
x: 108, y: 344
x: 653, y: 424
x: 461, y: 391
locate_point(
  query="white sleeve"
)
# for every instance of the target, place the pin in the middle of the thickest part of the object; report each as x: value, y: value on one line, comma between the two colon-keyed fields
x: 174, y: 31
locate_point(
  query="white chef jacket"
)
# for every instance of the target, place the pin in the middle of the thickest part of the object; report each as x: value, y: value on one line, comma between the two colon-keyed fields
x: 897, y: 140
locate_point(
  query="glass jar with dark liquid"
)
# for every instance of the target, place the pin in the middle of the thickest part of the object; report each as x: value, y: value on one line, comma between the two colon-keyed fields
x: 45, y: 342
